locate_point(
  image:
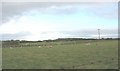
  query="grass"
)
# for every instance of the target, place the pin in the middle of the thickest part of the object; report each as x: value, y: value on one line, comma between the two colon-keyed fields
x: 98, y: 55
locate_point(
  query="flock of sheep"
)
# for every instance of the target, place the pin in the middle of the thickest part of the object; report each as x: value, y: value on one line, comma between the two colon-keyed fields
x: 49, y: 46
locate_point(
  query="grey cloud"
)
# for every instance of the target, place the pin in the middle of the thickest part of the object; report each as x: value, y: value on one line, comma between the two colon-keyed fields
x: 16, y: 9
x: 12, y: 9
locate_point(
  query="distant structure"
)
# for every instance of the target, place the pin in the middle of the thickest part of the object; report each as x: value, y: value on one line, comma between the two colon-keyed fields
x: 98, y: 33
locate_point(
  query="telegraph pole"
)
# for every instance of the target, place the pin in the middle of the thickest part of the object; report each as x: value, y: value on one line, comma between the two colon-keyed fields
x: 98, y: 33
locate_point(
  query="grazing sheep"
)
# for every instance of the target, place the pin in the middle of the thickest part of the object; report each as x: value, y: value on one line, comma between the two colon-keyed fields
x: 49, y: 46
x: 39, y: 47
x: 87, y: 44
x: 10, y: 47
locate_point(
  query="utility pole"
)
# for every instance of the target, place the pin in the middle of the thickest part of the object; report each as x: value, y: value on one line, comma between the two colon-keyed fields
x: 98, y: 33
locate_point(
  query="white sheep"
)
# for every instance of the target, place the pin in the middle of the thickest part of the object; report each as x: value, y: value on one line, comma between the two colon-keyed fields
x: 87, y: 44
x: 50, y: 46
x: 39, y: 47
x: 10, y: 47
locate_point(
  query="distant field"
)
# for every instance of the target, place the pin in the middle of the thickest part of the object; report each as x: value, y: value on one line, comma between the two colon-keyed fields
x: 87, y: 54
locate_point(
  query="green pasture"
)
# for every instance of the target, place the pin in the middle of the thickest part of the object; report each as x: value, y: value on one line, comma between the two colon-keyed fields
x: 102, y: 54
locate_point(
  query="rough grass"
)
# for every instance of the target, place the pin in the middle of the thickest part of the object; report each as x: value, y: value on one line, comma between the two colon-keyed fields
x: 97, y: 55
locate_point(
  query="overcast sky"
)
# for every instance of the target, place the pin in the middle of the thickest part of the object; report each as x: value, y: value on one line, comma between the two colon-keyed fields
x: 41, y: 21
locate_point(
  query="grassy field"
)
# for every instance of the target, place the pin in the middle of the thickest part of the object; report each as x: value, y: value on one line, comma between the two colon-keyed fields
x: 102, y: 54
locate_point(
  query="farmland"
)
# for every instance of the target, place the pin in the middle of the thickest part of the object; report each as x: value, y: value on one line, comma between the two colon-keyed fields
x: 80, y: 54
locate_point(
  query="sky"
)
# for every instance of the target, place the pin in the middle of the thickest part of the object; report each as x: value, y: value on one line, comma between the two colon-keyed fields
x: 42, y: 21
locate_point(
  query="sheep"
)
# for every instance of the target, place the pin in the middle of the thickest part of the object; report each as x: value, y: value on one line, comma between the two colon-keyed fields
x: 49, y: 46
x: 39, y: 47
x: 10, y: 47
x: 87, y: 44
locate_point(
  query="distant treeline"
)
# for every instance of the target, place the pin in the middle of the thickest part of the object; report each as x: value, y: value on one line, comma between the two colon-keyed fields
x: 59, y: 39
x: 77, y: 39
